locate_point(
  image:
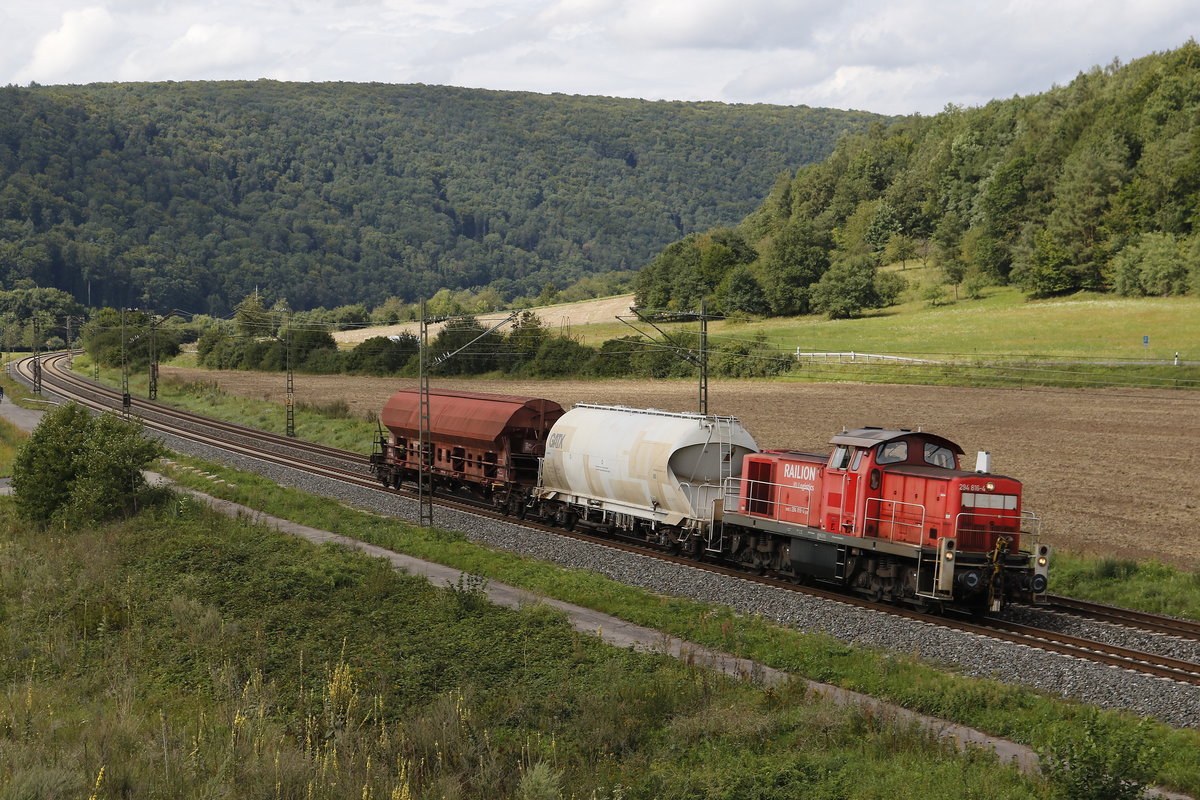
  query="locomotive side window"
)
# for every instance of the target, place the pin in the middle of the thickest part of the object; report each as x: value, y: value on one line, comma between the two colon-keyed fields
x: 840, y: 458
x: 893, y: 453
x: 939, y: 456
x: 1007, y: 502
x: 858, y: 454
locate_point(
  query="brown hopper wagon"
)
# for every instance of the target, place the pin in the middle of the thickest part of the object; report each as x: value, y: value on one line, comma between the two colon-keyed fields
x: 485, y: 443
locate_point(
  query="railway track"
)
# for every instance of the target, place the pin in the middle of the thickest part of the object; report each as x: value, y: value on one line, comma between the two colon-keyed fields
x: 349, y: 467
x: 1127, y: 617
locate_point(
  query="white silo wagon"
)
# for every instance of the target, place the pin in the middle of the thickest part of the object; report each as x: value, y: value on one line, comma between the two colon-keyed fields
x: 628, y: 468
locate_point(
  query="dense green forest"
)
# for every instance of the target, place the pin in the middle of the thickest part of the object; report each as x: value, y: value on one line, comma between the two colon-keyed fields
x: 194, y: 195
x: 1094, y: 185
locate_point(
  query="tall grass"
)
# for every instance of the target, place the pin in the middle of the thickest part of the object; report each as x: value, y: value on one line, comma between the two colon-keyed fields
x: 233, y: 662
x: 1144, y: 585
x: 11, y: 438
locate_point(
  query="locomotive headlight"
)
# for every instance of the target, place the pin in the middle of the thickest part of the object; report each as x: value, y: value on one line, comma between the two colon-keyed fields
x: 1041, y: 562
x: 949, y: 555
x: 991, y: 487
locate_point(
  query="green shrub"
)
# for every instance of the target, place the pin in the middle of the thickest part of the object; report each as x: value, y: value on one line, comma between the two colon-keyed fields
x: 847, y: 288
x: 1095, y: 760
x: 614, y: 358
x: 381, y: 355
x: 559, y: 357
x: 748, y: 359
x: 77, y: 468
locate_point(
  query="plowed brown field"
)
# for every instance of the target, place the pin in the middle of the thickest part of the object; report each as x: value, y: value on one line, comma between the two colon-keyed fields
x: 1110, y: 472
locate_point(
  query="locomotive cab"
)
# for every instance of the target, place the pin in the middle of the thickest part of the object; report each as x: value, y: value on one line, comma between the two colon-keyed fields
x: 892, y: 514
x: 906, y: 486
x: 864, y: 493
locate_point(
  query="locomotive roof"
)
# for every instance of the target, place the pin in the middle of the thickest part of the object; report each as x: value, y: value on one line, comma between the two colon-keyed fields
x: 869, y: 437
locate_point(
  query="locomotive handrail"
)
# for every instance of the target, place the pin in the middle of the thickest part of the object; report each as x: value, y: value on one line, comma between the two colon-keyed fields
x: 1035, y: 532
x: 919, y: 526
x: 732, y: 491
x: 1028, y: 530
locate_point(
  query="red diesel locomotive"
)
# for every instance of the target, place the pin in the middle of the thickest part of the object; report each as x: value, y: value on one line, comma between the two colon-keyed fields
x: 889, y: 514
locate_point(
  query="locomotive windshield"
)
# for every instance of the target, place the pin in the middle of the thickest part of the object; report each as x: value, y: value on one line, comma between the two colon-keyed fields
x: 893, y: 452
x: 933, y: 454
x: 938, y: 456
x: 840, y: 459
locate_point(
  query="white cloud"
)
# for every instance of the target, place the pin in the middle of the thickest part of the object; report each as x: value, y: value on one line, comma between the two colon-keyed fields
x: 207, y: 50
x: 738, y: 24
x: 65, y: 53
x: 892, y: 56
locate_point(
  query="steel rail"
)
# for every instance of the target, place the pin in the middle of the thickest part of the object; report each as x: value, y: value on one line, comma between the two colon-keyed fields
x: 1132, y: 618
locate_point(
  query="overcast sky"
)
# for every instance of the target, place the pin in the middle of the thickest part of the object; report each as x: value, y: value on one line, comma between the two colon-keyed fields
x: 887, y: 56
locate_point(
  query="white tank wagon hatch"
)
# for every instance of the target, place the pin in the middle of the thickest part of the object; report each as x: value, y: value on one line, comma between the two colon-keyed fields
x: 654, y: 465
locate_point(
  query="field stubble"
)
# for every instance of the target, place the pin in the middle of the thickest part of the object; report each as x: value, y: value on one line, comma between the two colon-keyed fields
x: 1111, y: 472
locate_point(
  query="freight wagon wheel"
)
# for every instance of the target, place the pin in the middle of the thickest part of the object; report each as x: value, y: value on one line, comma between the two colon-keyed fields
x: 515, y: 506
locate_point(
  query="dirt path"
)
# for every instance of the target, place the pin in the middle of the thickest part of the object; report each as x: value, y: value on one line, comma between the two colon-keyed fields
x: 1111, y: 472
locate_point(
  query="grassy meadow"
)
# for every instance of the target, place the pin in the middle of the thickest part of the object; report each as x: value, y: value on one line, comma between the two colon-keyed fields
x: 1000, y: 709
x: 1001, y: 338
x: 1002, y: 323
x: 182, y: 654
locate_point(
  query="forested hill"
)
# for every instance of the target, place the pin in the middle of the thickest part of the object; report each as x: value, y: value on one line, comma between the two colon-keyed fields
x: 191, y: 195
x: 1093, y: 185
